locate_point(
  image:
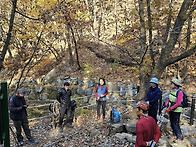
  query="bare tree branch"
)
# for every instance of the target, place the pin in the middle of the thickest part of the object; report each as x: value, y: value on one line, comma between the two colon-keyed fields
x: 182, y: 56
x: 27, y: 16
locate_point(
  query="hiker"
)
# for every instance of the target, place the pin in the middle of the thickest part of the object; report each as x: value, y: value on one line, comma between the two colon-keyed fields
x: 147, y: 130
x: 18, y: 114
x: 101, y: 91
x: 152, y: 98
x: 64, y: 99
x: 174, y: 109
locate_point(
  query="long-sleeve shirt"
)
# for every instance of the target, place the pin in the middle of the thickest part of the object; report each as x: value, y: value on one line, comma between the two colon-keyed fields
x: 64, y: 97
x: 104, y: 93
x: 153, y: 95
x: 146, y: 130
x: 16, y: 108
x: 178, y: 102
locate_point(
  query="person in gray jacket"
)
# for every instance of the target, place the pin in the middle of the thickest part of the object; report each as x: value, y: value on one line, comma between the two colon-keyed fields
x: 64, y: 98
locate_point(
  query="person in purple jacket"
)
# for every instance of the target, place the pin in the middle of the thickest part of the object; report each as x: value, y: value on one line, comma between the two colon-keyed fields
x: 18, y: 114
x: 152, y: 98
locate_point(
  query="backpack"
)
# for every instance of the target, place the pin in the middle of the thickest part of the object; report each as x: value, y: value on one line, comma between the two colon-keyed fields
x: 114, y: 116
x: 73, y: 105
x: 185, y: 100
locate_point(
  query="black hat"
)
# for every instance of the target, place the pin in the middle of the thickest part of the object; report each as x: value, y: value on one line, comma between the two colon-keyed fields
x: 21, y: 91
x: 66, y: 84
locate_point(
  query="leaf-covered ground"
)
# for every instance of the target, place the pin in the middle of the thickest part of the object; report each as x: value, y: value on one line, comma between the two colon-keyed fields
x: 87, y: 131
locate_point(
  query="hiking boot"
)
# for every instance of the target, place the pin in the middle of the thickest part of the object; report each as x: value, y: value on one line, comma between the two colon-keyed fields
x: 32, y: 141
x: 69, y: 125
x: 20, y: 143
x: 61, y: 129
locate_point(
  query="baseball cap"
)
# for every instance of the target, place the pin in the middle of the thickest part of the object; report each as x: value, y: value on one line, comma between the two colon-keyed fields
x: 21, y: 91
x: 143, y: 105
x: 66, y: 84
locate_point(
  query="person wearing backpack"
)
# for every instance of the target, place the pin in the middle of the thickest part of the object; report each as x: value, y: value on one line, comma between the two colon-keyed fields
x: 152, y: 98
x: 101, y: 91
x: 174, y: 108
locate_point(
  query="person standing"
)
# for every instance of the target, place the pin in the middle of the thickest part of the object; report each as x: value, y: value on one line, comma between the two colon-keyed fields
x: 101, y: 91
x: 174, y: 109
x: 64, y: 98
x: 153, y: 96
x: 147, y: 130
x: 18, y: 114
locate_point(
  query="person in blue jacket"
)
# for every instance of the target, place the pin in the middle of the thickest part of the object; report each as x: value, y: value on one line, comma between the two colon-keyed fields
x: 152, y: 98
x: 101, y: 91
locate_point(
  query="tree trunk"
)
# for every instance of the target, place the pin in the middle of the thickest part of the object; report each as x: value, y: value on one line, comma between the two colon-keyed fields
x: 69, y: 44
x: 150, y: 32
x: 142, y: 76
x: 7, y: 42
x: 76, y: 48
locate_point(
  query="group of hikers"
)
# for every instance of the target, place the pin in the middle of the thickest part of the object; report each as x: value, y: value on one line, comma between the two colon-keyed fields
x: 147, y: 130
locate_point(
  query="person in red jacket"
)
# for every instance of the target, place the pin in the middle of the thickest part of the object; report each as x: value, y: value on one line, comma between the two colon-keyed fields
x: 147, y: 130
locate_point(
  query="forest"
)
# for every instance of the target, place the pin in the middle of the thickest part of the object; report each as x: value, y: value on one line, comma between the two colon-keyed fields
x: 120, y: 40
x: 141, y: 38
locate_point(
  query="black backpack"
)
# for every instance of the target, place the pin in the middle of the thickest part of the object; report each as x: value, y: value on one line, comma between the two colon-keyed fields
x: 185, y: 100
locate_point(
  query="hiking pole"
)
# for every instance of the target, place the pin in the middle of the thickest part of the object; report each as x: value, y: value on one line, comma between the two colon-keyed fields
x: 14, y: 135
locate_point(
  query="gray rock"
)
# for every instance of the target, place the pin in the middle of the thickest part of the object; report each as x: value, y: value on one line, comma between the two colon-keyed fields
x: 50, y: 77
x: 115, y: 88
x: 59, y: 83
x: 92, y: 100
x: 86, y: 99
x: 128, y: 137
x: 80, y: 91
x: 88, y: 92
x: 192, y: 140
x: 117, y: 128
x: 43, y: 96
x: 123, y: 90
x: 163, y: 143
x: 131, y: 126
x: 90, y: 84
x: 80, y: 83
x: 38, y: 89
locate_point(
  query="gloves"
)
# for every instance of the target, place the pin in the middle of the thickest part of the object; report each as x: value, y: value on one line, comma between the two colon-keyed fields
x: 167, y: 110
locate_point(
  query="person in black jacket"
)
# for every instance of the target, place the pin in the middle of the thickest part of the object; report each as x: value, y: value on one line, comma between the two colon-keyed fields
x: 64, y: 99
x: 18, y: 114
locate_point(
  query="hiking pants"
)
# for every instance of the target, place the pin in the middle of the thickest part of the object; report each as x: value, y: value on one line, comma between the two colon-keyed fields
x: 174, y: 122
x: 153, y: 113
x: 99, y: 104
x: 25, y: 125
x: 65, y: 110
